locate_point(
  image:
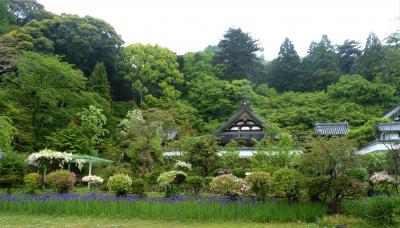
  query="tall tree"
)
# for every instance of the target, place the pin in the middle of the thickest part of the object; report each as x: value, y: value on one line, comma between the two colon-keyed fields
x: 238, y: 53
x: 284, y: 68
x: 154, y: 73
x: 98, y: 82
x: 348, y: 54
x: 319, y: 68
x: 371, y: 58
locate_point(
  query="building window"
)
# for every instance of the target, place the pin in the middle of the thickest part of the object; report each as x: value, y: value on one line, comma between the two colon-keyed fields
x: 255, y: 128
x: 234, y: 128
x: 245, y: 129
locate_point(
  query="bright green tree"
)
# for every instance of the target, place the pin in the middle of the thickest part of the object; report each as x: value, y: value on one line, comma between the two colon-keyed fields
x: 358, y: 89
x: 154, y: 74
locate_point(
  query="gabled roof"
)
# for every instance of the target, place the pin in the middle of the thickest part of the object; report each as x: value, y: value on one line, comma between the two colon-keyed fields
x: 393, y: 112
x: 245, y: 107
x: 387, y: 127
x: 328, y: 129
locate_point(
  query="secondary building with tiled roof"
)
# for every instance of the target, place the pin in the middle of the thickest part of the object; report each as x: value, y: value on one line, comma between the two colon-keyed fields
x: 331, y: 129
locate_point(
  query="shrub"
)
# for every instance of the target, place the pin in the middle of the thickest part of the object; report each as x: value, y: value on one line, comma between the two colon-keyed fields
x: 12, y: 163
x: 169, y: 181
x: 61, y: 180
x: 32, y: 182
x: 239, y: 172
x: 8, y: 181
x: 138, y: 186
x: 380, y: 210
x: 339, y: 221
x: 288, y: 182
x: 227, y: 185
x: 195, y: 184
x: 260, y: 184
x: 360, y: 174
x: 120, y: 184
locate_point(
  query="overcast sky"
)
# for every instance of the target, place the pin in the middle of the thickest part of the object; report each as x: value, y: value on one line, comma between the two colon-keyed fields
x: 185, y: 25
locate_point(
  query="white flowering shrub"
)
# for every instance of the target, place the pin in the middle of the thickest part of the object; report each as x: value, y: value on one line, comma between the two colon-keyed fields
x: 94, y: 180
x: 183, y: 165
x: 228, y: 185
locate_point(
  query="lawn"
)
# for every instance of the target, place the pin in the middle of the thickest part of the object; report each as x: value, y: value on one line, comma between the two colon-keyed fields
x: 21, y: 220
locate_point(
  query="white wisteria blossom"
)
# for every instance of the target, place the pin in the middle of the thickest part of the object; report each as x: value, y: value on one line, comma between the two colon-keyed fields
x: 37, y: 159
x: 92, y: 179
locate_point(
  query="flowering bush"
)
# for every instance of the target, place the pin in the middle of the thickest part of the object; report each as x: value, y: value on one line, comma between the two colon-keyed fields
x: 169, y: 181
x: 260, y: 184
x: 120, y: 184
x: 382, y: 181
x: 49, y: 156
x: 228, y: 185
x: 32, y: 182
x: 94, y: 180
x: 61, y: 180
x: 183, y: 165
x: 382, y: 177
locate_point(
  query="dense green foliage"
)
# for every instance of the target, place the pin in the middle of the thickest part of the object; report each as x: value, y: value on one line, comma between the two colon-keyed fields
x: 186, y: 210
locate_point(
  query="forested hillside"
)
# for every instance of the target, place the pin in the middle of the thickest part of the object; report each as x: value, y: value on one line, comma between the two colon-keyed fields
x: 70, y: 83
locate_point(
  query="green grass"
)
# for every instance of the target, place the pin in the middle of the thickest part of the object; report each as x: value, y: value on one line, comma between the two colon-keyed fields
x: 177, y: 210
x: 8, y: 220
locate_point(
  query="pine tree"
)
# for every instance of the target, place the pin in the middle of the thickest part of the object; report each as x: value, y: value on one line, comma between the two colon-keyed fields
x: 98, y: 83
x: 284, y: 67
x: 238, y: 53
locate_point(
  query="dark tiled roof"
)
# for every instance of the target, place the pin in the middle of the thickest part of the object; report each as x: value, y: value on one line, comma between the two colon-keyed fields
x: 245, y: 107
x: 395, y: 126
x: 331, y: 128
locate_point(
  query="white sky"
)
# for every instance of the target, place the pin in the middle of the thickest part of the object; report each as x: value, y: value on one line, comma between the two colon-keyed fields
x: 187, y: 25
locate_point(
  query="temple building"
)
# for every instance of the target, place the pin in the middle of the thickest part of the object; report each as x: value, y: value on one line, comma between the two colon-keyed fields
x: 331, y: 129
x: 243, y: 126
x: 387, y: 134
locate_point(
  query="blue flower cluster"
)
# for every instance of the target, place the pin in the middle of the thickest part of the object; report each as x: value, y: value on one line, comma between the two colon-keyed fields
x: 102, y: 197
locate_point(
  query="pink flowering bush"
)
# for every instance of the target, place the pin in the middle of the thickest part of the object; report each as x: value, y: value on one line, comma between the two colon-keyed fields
x: 62, y: 180
x: 93, y: 180
x: 382, y: 177
x: 383, y: 182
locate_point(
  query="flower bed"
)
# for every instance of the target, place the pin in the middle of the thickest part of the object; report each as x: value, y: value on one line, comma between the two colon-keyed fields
x: 172, y: 208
